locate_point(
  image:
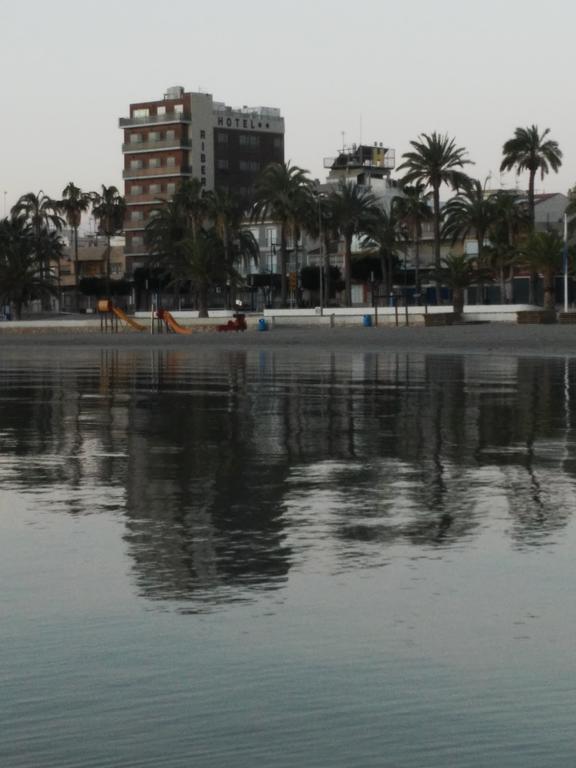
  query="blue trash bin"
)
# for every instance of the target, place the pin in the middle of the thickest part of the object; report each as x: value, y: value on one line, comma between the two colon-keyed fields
x: 262, y: 324
x: 367, y: 321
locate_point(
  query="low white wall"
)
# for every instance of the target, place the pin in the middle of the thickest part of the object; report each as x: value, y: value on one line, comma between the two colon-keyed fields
x: 190, y: 314
x: 498, y: 313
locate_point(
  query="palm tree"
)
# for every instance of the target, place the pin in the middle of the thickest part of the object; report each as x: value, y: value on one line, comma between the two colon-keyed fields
x: 227, y: 213
x: 200, y: 261
x: 384, y: 232
x: 531, y: 151
x: 108, y: 208
x: 193, y: 203
x: 413, y: 210
x: 459, y: 271
x: 353, y: 209
x: 73, y: 204
x: 435, y: 160
x: 510, y: 222
x: 21, y: 279
x: 283, y: 193
x: 41, y: 213
x: 470, y: 212
x: 543, y: 252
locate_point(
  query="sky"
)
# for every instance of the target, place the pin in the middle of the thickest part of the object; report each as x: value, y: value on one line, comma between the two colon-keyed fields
x: 371, y: 70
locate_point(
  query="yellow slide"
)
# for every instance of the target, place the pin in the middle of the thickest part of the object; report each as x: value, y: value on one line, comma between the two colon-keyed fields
x: 172, y: 324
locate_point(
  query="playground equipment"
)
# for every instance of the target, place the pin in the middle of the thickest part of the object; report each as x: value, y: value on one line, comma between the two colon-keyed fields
x: 171, y: 323
x: 110, y: 314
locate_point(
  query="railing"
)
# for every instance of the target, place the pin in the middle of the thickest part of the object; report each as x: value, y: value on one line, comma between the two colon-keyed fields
x: 159, y: 197
x: 176, y: 170
x: 145, y: 146
x: 135, y: 250
x: 168, y: 117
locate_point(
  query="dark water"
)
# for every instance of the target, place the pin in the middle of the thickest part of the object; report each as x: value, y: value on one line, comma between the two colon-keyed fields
x: 286, y: 560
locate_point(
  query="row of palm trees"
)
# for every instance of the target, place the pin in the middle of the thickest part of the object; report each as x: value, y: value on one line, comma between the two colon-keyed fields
x: 30, y: 241
x: 285, y: 194
x: 201, y: 238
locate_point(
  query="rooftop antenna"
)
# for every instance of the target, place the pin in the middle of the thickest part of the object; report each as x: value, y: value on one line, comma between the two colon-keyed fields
x: 360, y: 140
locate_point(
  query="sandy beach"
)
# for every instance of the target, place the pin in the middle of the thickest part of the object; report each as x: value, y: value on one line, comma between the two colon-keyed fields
x: 500, y: 339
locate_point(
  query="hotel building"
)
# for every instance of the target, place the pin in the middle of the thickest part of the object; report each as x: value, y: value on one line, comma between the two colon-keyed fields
x: 189, y: 135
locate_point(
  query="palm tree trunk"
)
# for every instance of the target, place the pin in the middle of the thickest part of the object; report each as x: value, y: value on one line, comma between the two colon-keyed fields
x: 283, y: 279
x: 549, y: 298
x: 347, y: 270
x: 203, y: 299
x: 107, y: 266
x: 436, y: 199
x: 531, y: 212
x: 480, y: 241
x: 458, y: 300
x: 326, y: 270
x: 76, y: 291
x: 417, y: 264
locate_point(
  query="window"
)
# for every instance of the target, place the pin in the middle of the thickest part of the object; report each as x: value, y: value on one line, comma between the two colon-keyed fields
x: 135, y: 165
x: 271, y: 236
x: 154, y: 189
x: 135, y: 138
x: 154, y: 162
x: 249, y: 141
x: 178, y: 108
x: 153, y: 136
x: 278, y: 142
x: 249, y: 165
x: 137, y: 241
x: 222, y: 138
x: 161, y: 110
x: 170, y: 135
x: 136, y: 216
x: 170, y: 162
x: 202, y: 134
x: 135, y: 189
x: 141, y: 113
x: 222, y: 164
x: 171, y: 188
x: 115, y: 269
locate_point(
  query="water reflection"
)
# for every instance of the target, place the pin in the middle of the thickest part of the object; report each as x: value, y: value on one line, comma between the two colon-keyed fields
x: 230, y: 470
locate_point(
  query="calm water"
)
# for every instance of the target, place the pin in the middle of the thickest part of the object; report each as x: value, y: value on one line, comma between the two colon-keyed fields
x: 286, y: 560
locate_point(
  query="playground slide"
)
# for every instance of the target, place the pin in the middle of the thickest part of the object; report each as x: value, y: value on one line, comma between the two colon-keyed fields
x: 121, y: 315
x: 173, y: 325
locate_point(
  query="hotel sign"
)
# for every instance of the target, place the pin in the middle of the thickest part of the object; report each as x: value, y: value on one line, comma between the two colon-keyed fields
x: 248, y: 123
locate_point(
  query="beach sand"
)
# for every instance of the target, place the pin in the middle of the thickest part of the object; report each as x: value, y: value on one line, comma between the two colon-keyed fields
x: 495, y: 339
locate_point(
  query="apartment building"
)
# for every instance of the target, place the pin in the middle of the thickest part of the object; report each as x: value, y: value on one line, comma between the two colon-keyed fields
x: 188, y: 135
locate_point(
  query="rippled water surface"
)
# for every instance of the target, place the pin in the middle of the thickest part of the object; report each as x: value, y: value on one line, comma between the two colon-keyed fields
x: 275, y: 559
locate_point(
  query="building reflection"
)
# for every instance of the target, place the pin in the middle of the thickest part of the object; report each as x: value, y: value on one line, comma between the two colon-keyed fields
x: 231, y: 469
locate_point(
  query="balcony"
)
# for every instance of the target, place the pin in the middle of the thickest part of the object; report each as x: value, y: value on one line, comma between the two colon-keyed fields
x: 139, y: 173
x: 159, y: 197
x: 135, y: 250
x: 166, y: 119
x: 130, y: 148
